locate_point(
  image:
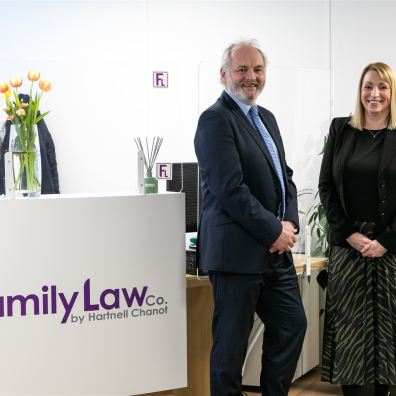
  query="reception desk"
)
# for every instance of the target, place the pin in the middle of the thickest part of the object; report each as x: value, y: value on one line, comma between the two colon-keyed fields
x: 92, y: 294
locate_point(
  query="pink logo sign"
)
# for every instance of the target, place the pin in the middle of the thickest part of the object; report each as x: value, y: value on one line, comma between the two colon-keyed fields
x: 164, y: 171
x: 160, y: 79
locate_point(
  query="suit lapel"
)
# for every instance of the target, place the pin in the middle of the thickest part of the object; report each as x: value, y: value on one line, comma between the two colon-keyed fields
x: 255, y: 134
x: 252, y: 131
x: 388, y: 151
x: 346, y: 145
x: 275, y: 134
x: 346, y: 148
x: 276, y: 137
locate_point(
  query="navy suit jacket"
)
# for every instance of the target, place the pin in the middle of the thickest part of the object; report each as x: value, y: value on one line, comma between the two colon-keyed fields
x: 241, y: 193
x: 49, y: 169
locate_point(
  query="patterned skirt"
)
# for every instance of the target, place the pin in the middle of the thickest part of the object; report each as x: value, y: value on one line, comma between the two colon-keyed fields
x: 359, y: 342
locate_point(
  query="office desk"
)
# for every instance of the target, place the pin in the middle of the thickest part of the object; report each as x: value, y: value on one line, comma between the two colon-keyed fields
x: 199, y: 337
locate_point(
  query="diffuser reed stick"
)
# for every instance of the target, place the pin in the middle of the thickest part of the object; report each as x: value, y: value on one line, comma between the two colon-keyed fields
x: 149, y: 155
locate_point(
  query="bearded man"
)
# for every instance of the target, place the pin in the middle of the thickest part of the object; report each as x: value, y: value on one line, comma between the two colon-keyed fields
x: 248, y: 227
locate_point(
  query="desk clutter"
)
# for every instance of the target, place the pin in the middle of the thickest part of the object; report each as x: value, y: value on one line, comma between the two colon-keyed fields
x: 191, y: 255
x: 191, y: 262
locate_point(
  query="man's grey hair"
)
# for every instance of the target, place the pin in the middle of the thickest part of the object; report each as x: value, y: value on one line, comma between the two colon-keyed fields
x: 227, y: 54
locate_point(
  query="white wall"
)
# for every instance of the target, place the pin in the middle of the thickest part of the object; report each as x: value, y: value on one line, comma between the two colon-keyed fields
x: 95, y: 55
x: 362, y: 32
x: 100, y: 56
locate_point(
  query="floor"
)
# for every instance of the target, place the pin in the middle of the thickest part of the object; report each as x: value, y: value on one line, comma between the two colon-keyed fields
x: 309, y: 385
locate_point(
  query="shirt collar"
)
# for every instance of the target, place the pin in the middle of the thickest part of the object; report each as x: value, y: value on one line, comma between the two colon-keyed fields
x: 243, y: 106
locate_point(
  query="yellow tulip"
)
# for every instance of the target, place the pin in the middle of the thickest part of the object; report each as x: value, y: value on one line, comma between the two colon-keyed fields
x: 10, y: 117
x: 7, y: 93
x: 45, y: 86
x: 4, y: 87
x: 24, y: 105
x: 16, y: 82
x: 20, y: 112
x: 7, y: 109
x: 33, y: 75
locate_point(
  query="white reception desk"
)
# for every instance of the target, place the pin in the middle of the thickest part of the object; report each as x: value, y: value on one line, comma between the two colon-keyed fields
x: 92, y: 295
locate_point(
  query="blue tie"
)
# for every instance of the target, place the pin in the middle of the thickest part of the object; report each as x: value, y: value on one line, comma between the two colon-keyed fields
x: 273, y: 151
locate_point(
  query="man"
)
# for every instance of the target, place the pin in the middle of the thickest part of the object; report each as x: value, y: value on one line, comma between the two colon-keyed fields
x: 248, y: 224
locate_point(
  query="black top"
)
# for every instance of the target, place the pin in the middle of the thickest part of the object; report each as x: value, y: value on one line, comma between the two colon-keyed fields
x: 361, y: 175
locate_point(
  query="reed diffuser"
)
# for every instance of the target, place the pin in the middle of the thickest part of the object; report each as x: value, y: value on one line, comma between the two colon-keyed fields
x: 149, y: 156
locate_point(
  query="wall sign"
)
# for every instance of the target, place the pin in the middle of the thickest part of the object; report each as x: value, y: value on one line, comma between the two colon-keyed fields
x: 160, y: 79
x: 164, y: 171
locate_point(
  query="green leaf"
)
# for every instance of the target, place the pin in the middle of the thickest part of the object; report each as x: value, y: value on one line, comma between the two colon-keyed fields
x: 41, y: 116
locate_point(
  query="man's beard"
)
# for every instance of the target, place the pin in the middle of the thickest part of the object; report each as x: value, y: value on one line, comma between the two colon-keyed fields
x: 237, y: 90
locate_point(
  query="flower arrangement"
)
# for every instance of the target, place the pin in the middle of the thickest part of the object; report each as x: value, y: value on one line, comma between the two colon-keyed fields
x: 24, y: 116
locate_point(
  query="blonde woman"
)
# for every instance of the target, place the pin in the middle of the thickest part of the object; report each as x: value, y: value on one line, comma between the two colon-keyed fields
x: 357, y: 187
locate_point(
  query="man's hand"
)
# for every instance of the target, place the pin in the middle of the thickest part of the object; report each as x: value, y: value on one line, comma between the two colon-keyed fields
x: 286, y: 239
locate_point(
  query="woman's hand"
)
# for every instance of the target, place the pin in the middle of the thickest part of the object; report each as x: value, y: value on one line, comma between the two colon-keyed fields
x: 366, y: 246
x: 373, y: 249
x: 358, y: 241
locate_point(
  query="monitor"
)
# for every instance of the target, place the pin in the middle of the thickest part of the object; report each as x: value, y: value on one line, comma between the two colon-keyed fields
x: 185, y: 178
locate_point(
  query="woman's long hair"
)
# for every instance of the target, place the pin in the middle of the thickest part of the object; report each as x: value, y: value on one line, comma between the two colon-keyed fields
x: 386, y: 73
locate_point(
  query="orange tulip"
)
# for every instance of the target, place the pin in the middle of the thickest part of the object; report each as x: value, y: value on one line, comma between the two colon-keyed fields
x: 4, y: 87
x: 45, y: 86
x: 20, y: 112
x: 16, y: 82
x: 10, y: 117
x: 33, y: 75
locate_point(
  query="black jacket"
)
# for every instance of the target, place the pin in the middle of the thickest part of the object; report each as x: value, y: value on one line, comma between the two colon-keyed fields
x: 49, y: 170
x: 339, y: 145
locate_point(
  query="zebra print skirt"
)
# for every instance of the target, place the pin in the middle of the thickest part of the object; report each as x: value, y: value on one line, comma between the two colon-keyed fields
x: 359, y: 341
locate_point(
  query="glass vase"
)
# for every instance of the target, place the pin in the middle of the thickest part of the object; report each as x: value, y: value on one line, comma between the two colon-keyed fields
x: 150, y: 183
x: 26, y: 164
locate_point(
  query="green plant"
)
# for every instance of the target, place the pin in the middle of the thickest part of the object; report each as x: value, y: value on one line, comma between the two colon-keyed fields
x: 318, y: 222
x: 319, y: 227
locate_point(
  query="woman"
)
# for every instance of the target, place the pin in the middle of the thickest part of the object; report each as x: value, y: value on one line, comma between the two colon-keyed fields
x: 357, y: 187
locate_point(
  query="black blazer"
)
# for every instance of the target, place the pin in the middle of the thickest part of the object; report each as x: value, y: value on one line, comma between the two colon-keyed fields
x: 49, y: 170
x: 241, y: 192
x: 340, y: 142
